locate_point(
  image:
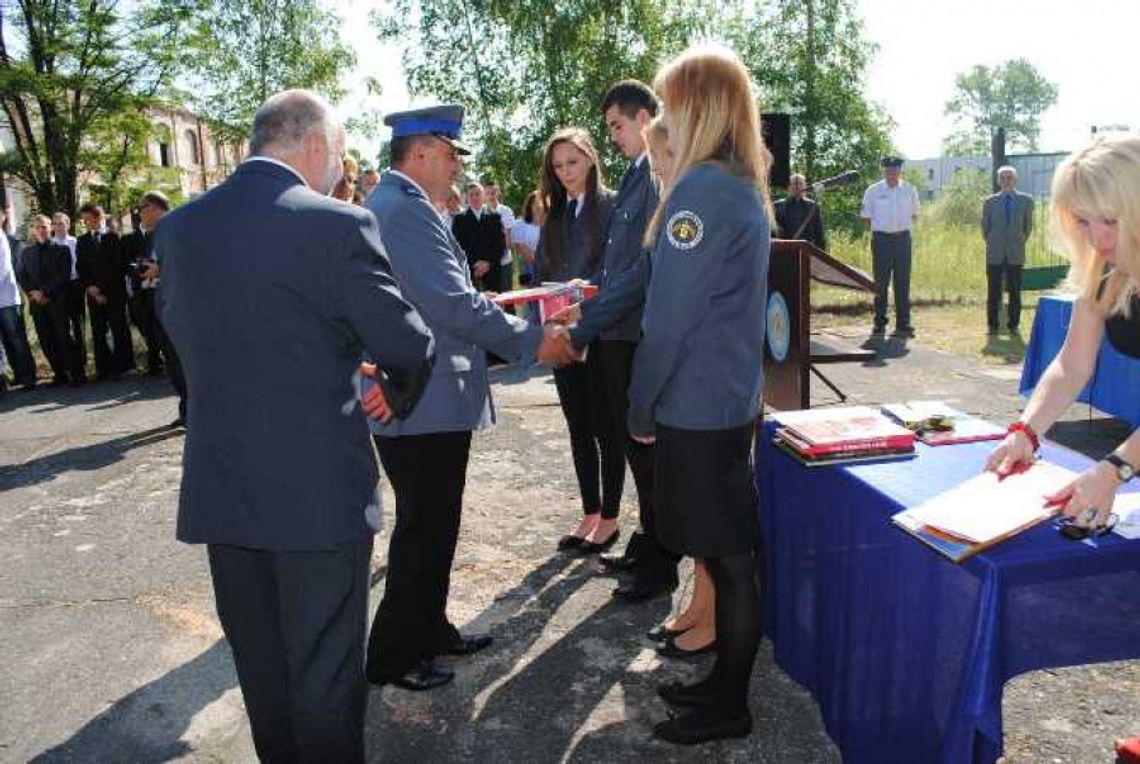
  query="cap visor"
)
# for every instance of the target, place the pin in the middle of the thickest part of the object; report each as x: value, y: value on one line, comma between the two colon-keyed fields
x: 459, y: 146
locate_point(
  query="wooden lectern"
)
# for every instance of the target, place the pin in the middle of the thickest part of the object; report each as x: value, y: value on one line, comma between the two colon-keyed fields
x: 790, y: 354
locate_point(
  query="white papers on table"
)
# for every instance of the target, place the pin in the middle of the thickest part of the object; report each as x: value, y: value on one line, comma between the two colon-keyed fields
x: 1127, y: 509
x: 984, y: 508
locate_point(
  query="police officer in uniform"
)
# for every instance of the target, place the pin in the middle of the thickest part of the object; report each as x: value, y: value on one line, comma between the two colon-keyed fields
x: 425, y: 455
x: 890, y: 208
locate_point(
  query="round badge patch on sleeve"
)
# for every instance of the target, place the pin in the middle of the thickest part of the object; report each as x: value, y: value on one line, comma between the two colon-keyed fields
x: 685, y: 230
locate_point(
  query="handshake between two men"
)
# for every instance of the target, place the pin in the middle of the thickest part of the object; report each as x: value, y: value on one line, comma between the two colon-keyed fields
x: 555, y: 349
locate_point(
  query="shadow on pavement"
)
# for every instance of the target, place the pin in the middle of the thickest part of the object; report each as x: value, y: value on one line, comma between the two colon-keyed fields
x: 91, y: 457
x: 148, y: 724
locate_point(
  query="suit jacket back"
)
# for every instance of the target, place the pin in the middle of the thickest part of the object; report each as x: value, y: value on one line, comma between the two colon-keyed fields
x: 270, y: 293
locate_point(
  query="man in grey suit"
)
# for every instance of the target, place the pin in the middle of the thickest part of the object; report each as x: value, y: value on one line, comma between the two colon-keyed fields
x: 425, y: 455
x: 279, y: 477
x: 1007, y: 221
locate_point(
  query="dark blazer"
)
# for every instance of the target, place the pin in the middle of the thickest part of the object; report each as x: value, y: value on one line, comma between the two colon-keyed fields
x: 613, y: 316
x: 482, y: 238
x: 100, y: 264
x: 800, y: 219
x: 271, y: 293
x: 45, y: 268
x: 574, y: 239
x: 136, y: 247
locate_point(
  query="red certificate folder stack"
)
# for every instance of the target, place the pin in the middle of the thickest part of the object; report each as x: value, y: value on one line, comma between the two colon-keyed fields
x: 551, y: 297
x: 818, y: 437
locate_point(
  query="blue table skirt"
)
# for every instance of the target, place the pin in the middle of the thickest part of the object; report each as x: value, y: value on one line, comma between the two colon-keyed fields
x: 1114, y: 386
x: 905, y: 652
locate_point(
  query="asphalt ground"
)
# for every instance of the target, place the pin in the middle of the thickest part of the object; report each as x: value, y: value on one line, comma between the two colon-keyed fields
x: 111, y: 650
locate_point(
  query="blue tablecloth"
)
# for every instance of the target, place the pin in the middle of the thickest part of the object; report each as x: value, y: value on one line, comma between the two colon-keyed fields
x: 906, y: 652
x: 1116, y: 379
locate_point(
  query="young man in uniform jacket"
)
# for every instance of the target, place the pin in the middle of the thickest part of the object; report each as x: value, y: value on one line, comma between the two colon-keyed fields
x: 279, y: 476
x: 43, y: 271
x: 480, y: 233
x: 425, y: 455
x: 99, y: 260
x: 615, y: 316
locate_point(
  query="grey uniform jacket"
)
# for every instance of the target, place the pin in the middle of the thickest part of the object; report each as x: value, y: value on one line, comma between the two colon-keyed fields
x: 432, y: 272
x: 615, y: 313
x: 1005, y: 241
x: 699, y: 363
x: 271, y: 292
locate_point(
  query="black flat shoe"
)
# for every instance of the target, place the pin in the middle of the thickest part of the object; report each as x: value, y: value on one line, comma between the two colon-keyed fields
x: 466, y: 645
x: 703, y: 725
x: 686, y: 695
x: 635, y: 592
x: 591, y: 548
x: 426, y: 676
x: 616, y: 564
x: 669, y: 649
x: 660, y: 634
x: 569, y: 542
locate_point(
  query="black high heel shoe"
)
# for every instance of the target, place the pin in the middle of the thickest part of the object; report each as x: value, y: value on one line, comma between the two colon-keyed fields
x: 660, y: 634
x: 591, y: 548
x: 670, y: 649
x: 704, y: 724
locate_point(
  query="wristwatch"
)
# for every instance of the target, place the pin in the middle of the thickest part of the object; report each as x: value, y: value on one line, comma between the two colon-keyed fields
x: 1124, y: 470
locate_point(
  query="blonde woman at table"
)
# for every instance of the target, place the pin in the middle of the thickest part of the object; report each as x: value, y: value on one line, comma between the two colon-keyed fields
x: 1096, y: 212
x: 693, y: 632
x: 696, y: 383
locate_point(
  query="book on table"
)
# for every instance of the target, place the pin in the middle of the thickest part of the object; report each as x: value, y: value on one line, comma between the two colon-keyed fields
x: 841, y: 434
x: 938, y: 424
x: 984, y: 510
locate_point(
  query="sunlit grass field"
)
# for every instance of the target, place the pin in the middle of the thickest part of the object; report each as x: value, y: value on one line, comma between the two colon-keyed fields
x: 948, y: 290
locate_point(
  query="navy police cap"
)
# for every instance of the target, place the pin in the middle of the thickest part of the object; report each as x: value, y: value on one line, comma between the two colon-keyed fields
x: 444, y: 122
x: 891, y: 161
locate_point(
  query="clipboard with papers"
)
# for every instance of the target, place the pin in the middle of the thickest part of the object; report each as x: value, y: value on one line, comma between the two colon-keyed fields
x: 984, y: 511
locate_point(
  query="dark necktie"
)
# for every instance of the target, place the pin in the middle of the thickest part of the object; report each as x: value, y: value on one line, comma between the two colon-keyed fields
x: 1008, y: 207
x: 572, y: 210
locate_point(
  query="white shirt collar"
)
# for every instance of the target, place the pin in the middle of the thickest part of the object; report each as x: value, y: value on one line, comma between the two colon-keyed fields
x: 640, y: 158
x: 279, y: 163
x: 581, y: 199
x: 417, y: 186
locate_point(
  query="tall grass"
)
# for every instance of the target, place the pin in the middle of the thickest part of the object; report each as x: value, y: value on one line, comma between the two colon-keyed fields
x: 949, y: 264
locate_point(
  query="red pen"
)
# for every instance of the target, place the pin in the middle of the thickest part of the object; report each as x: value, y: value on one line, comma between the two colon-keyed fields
x: 1016, y: 469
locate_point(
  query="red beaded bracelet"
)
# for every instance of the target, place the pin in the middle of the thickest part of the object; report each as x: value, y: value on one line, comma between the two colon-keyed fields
x: 1029, y: 433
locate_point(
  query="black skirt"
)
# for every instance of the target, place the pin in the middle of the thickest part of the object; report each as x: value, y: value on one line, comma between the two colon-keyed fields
x: 705, y: 498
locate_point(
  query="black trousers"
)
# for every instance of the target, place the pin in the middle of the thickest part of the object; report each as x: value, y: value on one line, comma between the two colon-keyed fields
x: 295, y: 623
x: 891, y: 257
x: 428, y: 474
x: 995, y: 274
x: 596, y: 445
x: 111, y: 317
x: 173, y: 366
x: 77, y: 317
x: 54, y: 331
x: 14, y: 336
x: 654, y: 564
x: 145, y: 318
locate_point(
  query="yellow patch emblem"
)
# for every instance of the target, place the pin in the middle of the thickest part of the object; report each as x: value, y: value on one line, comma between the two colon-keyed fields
x: 685, y: 230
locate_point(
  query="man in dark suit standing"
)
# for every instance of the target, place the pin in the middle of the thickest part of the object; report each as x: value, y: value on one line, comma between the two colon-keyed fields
x: 480, y: 233
x: 102, y: 273
x: 145, y: 273
x: 1007, y: 221
x: 279, y: 475
x: 44, y: 273
x: 798, y: 217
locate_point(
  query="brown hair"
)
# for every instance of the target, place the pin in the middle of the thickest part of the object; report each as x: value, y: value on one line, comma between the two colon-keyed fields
x: 553, y: 196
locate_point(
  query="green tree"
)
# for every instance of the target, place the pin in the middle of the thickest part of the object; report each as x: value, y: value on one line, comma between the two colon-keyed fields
x: 960, y: 200
x: 524, y: 68
x: 75, y: 78
x: 1012, y: 95
x: 240, y: 52
x: 809, y: 58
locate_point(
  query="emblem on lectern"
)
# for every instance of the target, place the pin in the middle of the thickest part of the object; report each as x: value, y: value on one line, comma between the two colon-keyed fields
x: 778, y: 326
